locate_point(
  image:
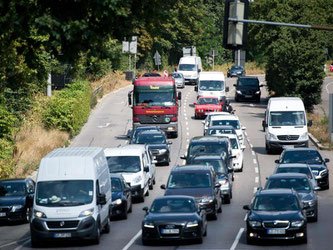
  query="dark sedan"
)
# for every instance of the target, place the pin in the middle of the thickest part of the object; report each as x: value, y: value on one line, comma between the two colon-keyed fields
x: 247, y: 87
x: 16, y: 196
x: 157, y: 143
x: 236, y: 71
x: 301, y: 184
x: 312, y: 157
x: 174, y: 217
x: 121, y: 197
x: 132, y: 133
x: 276, y: 214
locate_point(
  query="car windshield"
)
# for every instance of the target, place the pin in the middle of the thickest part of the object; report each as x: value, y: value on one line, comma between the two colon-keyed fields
x: 171, y: 205
x: 154, y: 98
x: 248, y: 82
x: 150, y: 139
x: 196, y: 149
x: 177, y: 75
x: 204, y: 101
x: 12, y: 189
x: 211, y: 85
x: 287, y: 118
x: 215, y: 131
x: 236, y: 68
x: 234, y: 123
x: 116, y: 185
x: 186, y: 67
x: 124, y: 164
x: 234, y: 143
x: 276, y: 203
x: 306, y: 171
x: 304, y: 156
x: 189, y: 180
x: 218, y: 165
x: 64, y: 193
x: 137, y: 131
x: 298, y: 184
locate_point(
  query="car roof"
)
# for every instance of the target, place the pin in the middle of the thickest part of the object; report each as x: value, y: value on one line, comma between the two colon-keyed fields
x: 287, y: 175
x: 224, y: 117
x: 276, y: 191
x: 208, y: 157
x: 294, y: 165
x: 167, y: 197
x: 208, y: 139
x: 126, y: 150
x: 221, y: 127
x: 300, y: 149
x: 19, y: 180
x: 248, y: 77
x: 192, y: 168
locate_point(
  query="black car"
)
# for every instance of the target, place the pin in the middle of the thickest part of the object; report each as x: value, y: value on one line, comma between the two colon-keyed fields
x: 301, y: 184
x: 247, y: 87
x: 121, y: 196
x: 175, y: 217
x: 157, y: 143
x: 198, y: 181
x: 16, y: 198
x: 132, y: 133
x: 312, y: 157
x: 203, y: 145
x: 225, y: 175
x: 236, y: 71
x: 220, y: 130
x: 276, y: 214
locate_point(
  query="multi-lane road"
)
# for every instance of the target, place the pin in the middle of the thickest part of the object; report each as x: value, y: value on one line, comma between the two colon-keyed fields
x: 107, y: 127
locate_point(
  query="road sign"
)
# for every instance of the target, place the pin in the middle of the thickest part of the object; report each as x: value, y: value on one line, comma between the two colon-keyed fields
x: 214, y: 52
x: 157, y: 58
x: 125, y: 47
x: 133, y: 47
x: 165, y: 73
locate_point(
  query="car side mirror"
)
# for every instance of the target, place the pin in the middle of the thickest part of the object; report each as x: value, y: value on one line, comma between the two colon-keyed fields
x: 316, y: 188
x: 277, y: 161
x: 243, y: 147
x: 146, y: 209
x: 199, y: 70
x: 246, y: 207
x: 309, y: 123
x: 163, y: 186
x: 183, y: 157
x: 154, y: 161
x: 179, y: 95
x: 169, y: 142
x: 194, y: 103
x: 146, y: 169
x: 235, y: 85
x: 196, y: 88
x: 243, y: 128
x: 327, y: 160
x: 232, y: 156
x: 129, y: 99
x: 226, y: 89
x: 101, y: 199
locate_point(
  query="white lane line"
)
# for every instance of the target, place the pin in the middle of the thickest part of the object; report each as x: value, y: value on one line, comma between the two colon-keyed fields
x: 130, y: 243
x: 255, y: 190
x: 187, y: 128
x: 186, y: 118
x: 248, y: 139
x: 14, y: 242
x: 251, y: 145
x: 188, y: 134
x: 19, y: 247
x: 253, y: 153
x: 187, y: 140
x: 187, y: 146
x: 254, y: 161
x: 234, y: 245
x: 256, y: 170
x: 126, y: 142
x: 245, y: 217
x: 186, y: 123
x: 184, y: 162
x: 245, y: 134
x: 256, y: 179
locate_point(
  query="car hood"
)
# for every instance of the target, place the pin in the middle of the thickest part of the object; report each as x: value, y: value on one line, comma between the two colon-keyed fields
x: 287, y: 130
x: 158, y: 146
x: 278, y: 215
x: 208, y: 106
x: 318, y: 167
x: 248, y: 88
x: 195, y: 192
x: 162, y: 218
x: 116, y: 195
x: 306, y: 196
x: 12, y: 200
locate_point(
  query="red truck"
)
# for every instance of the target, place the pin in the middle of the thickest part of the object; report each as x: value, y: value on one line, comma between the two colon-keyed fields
x: 155, y: 103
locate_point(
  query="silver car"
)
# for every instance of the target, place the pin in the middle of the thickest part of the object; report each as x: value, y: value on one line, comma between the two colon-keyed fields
x: 179, y: 79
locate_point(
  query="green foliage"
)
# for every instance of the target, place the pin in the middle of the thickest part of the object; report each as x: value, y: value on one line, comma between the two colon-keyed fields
x: 7, y: 122
x: 7, y: 166
x: 69, y: 109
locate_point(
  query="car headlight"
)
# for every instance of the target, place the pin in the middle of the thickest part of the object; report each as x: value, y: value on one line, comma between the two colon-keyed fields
x: 239, y: 92
x: 207, y: 199
x: 16, y: 207
x: 148, y: 224
x: 323, y: 172
x: 258, y: 92
x: 240, y: 137
x: 162, y: 151
x: 254, y: 223
x: 86, y: 213
x: 192, y: 224
x: 309, y: 203
x: 223, y: 182
x: 297, y: 223
x: 271, y: 136
x: 39, y: 214
x: 304, y: 136
x: 117, y: 202
x: 137, y: 179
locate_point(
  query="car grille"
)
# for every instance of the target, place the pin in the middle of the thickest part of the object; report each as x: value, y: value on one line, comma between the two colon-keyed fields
x: 276, y: 224
x: 62, y: 224
x: 152, y: 119
x: 288, y: 137
x: 155, y: 151
x: 4, y: 209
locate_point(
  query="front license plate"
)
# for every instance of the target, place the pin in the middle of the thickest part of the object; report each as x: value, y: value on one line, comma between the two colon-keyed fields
x: 170, y: 231
x: 62, y: 235
x: 248, y: 96
x: 276, y: 231
x: 289, y: 146
x: 2, y: 214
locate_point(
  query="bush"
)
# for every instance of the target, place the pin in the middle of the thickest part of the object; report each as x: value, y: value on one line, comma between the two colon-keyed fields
x: 69, y: 109
x: 7, y: 148
x: 7, y: 122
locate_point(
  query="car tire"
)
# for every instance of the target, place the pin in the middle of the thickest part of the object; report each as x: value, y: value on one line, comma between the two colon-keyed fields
x: 205, y: 233
x: 27, y: 215
x: 315, y: 217
x: 97, y: 234
x: 258, y: 100
x: 106, y: 228
x: 200, y: 240
x: 151, y: 185
x: 154, y: 181
x: 226, y: 199
x: 35, y: 243
x: 125, y: 215
x: 145, y: 242
x: 213, y: 216
x: 142, y: 198
x: 130, y: 208
x: 268, y: 150
x: 250, y: 241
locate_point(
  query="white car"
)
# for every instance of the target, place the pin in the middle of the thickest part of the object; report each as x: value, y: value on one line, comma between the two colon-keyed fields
x: 237, y: 150
x: 209, y: 116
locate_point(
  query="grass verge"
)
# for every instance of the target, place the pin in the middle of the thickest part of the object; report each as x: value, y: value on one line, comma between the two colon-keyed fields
x: 319, y: 129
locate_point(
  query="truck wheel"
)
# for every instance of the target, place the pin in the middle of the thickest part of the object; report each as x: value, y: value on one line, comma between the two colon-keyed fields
x: 97, y: 238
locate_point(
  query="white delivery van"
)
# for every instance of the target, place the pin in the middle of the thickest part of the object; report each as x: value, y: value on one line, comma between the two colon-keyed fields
x: 212, y: 84
x: 132, y: 162
x: 190, y: 67
x: 285, y: 123
x: 73, y: 196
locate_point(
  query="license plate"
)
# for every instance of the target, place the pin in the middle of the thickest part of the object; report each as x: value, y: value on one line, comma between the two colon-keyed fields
x: 276, y: 231
x: 289, y: 146
x: 62, y: 235
x: 2, y: 214
x: 170, y: 231
x: 248, y: 96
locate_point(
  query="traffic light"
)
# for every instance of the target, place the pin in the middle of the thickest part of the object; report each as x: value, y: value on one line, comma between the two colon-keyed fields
x: 235, y: 33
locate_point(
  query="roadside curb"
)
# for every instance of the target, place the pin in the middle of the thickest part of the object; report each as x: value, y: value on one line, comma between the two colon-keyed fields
x: 317, y: 143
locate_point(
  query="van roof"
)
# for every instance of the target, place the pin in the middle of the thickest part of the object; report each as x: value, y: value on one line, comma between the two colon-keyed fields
x: 127, y: 150
x: 285, y: 103
x: 74, y: 151
x: 211, y: 76
x: 224, y: 117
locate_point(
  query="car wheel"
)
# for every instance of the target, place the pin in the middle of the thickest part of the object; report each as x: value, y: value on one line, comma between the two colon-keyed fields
x: 214, y: 215
x: 125, y: 214
x: 226, y: 200
x: 328, y: 185
x: 35, y: 242
x: 220, y: 208
x: 147, y: 193
x: 268, y: 150
x: 27, y: 215
x: 205, y: 233
x: 97, y: 238
x: 106, y: 228
x: 145, y: 242
x: 142, y: 198
x: 130, y: 208
x: 151, y: 185
x: 200, y: 240
x: 315, y: 217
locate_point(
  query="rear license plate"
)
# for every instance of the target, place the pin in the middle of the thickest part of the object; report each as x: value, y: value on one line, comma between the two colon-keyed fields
x: 2, y: 214
x: 170, y: 231
x: 62, y: 235
x: 276, y: 231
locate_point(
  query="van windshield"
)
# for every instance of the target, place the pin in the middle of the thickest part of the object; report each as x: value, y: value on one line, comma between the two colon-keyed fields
x: 212, y: 85
x: 124, y: 164
x: 186, y: 67
x: 287, y: 118
x: 64, y: 193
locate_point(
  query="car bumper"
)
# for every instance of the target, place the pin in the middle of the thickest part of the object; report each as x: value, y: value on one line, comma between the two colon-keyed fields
x: 278, y: 145
x: 155, y: 234
x: 191, y: 81
x: 322, y: 181
x: 250, y: 97
x: 13, y: 216
x: 208, y: 207
x: 162, y: 158
x: 118, y: 210
x: 262, y: 233
x: 137, y: 191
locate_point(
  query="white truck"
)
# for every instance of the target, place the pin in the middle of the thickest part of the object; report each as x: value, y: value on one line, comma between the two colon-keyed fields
x: 190, y: 67
x: 285, y: 124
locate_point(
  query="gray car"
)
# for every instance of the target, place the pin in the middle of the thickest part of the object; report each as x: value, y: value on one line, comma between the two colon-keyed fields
x: 179, y: 79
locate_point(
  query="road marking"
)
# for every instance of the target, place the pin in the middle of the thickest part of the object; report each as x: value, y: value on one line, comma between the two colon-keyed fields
x: 255, y: 161
x: 253, y: 153
x: 256, y: 179
x: 187, y: 128
x: 186, y: 123
x: 251, y: 145
x: 184, y: 162
x: 245, y: 134
x: 234, y: 245
x: 130, y: 243
x: 257, y: 170
x: 104, y: 126
x: 19, y: 247
x: 255, y: 190
x: 327, y: 86
x: 248, y: 139
x: 187, y: 140
x: 126, y: 142
x: 187, y: 133
x: 14, y: 242
x: 185, y: 118
x: 187, y: 146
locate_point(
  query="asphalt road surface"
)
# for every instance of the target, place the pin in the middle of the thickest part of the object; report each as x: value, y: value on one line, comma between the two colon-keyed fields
x: 107, y: 127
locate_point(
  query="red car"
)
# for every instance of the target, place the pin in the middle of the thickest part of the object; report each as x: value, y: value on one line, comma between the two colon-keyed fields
x: 206, y: 105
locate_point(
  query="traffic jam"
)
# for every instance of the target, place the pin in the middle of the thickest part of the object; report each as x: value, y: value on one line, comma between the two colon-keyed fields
x: 79, y: 191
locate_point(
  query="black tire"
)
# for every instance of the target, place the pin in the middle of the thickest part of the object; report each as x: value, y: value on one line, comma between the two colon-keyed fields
x: 151, y: 185
x: 125, y: 215
x: 97, y: 234
x: 205, y: 233
x: 145, y: 242
x: 220, y: 209
x: 226, y: 199
x: 130, y: 208
x: 154, y: 181
x: 213, y: 216
x: 142, y: 198
x: 175, y: 135
x: 315, y: 218
x: 27, y: 215
x: 258, y: 100
x: 268, y: 150
x: 106, y: 228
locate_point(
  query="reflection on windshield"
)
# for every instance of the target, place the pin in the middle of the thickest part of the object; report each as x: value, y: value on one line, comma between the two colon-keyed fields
x: 205, y: 101
x: 173, y: 206
x: 288, y: 118
x: 211, y: 85
x: 64, y: 193
x: 276, y: 203
x: 124, y: 164
x: 234, y: 123
x: 12, y: 189
x: 304, y: 156
x: 154, y: 98
x: 189, y: 180
x: 150, y: 139
x: 247, y: 82
x: 298, y: 184
x: 115, y: 185
x: 221, y: 131
x: 186, y: 67
x: 217, y: 164
x: 208, y: 148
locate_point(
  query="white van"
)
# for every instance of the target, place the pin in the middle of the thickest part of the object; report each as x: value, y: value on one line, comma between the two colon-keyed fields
x: 73, y: 196
x: 285, y: 123
x: 132, y: 161
x: 212, y: 84
x: 190, y: 67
